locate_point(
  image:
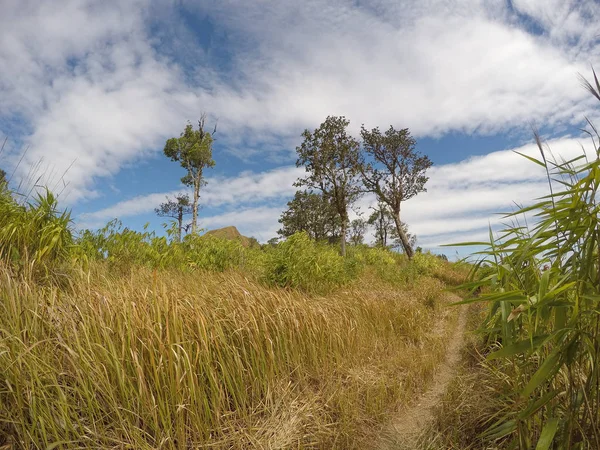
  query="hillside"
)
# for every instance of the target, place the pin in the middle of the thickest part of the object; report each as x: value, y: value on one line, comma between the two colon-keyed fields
x: 231, y: 233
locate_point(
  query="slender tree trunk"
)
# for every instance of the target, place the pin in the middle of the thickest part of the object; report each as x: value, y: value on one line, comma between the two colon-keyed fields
x: 403, y: 238
x: 195, y: 205
x: 180, y: 220
x: 343, y: 237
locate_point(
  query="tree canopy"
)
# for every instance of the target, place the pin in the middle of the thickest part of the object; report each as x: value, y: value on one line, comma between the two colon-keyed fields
x: 394, y: 171
x: 193, y: 150
x: 177, y: 209
x: 329, y: 155
x: 313, y: 213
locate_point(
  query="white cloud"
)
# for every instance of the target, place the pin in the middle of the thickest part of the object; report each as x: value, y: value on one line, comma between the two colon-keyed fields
x: 94, y: 91
x: 244, y: 189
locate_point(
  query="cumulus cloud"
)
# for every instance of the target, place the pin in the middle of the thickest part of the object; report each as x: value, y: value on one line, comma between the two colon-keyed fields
x: 244, y: 189
x: 96, y: 88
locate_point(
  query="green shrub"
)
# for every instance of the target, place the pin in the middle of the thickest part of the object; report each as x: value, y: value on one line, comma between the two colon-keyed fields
x: 426, y: 263
x: 212, y: 253
x: 300, y: 262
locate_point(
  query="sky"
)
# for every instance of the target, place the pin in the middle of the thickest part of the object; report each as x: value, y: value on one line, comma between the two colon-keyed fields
x: 92, y: 89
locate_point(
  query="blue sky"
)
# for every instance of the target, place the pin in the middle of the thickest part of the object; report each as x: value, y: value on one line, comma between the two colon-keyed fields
x: 94, y: 88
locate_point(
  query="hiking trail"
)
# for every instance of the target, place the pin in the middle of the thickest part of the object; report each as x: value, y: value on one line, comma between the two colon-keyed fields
x: 406, y: 427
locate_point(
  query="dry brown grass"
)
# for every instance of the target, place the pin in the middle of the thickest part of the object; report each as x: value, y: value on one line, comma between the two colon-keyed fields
x: 173, y: 360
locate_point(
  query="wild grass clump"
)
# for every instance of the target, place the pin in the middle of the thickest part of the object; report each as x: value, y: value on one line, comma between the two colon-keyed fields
x: 34, y: 237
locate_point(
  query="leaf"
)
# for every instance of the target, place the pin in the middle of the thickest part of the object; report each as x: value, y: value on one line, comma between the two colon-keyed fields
x: 501, y: 430
x: 518, y: 347
x: 531, y: 159
x: 546, y: 371
x: 547, y: 435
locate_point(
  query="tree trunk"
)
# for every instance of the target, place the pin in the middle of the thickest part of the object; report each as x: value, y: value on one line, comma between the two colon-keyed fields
x: 180, y: 220
x: 195, y: 206
x: 403, y: 238
x: 343, y: 237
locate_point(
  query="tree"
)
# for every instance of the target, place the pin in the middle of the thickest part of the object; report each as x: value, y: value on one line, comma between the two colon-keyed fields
x: 330, y: 157
x: 313, y: 213
x: 383, y: 222
x: 358, y: 228
x: 176, y: 209
x: 193, y: 150
x: 385, y: 227
x: 395, y: 171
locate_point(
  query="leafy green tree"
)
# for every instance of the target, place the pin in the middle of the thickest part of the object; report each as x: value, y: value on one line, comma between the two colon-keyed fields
x: 312, y: 213
x: 330, y: 155
x: 358, y: 228
x: 193, y: 150
x: 394, y: 171
x: 176, y: 209
x: 273, y: 241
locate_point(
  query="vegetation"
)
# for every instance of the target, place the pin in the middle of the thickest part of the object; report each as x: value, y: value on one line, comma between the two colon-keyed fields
x: 394, y: 171
x: 177, y: 209
x: 312, y: 213
x: 330, y: 155
x: 193, y: 150
x: 385, y: 228
x: 126, y: 339
x: 538, y: 383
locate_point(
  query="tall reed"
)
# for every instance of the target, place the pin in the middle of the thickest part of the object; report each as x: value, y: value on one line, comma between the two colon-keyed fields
x: 544, y: 310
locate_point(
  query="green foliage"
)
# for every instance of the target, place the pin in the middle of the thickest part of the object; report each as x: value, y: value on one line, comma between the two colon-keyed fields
x: 177, y: 209
x: 36, y: 236
x: 426, y: 263
x: 123, y: 248
x: 300, y: 262
x: 543, y: 312
x: 394, y: 171
x: 211, y: 253
x: 313, y: 213
x: 193, y: 150
x: 330, y: 155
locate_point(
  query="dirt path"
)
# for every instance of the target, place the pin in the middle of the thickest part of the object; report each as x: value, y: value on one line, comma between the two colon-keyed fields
x: 410, y: 422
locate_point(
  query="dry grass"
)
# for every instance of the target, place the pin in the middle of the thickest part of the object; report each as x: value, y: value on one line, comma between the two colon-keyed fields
x: 207, y: 360
x: 472, y: 402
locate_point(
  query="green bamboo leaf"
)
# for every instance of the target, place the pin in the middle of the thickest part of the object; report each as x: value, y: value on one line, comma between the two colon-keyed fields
x: 537, y: 161
x: 518, y: 347
x: 499, y: 431
x: 547, y: 370
x: 547, y: 435
x: 537, y: 405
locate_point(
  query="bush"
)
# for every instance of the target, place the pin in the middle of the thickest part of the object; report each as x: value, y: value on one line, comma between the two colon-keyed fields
x: 300, y: 262
x: 212, y: 253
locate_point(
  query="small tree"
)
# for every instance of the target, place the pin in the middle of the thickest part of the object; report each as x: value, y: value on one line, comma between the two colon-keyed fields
x: 312, y: 213
x: 395, y: 171
x: 358, y: 228
x: 385, y: 227
x: 193, y: 150
x: 176, y: 209
x: 383, y: 222
x: 330, y: 157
